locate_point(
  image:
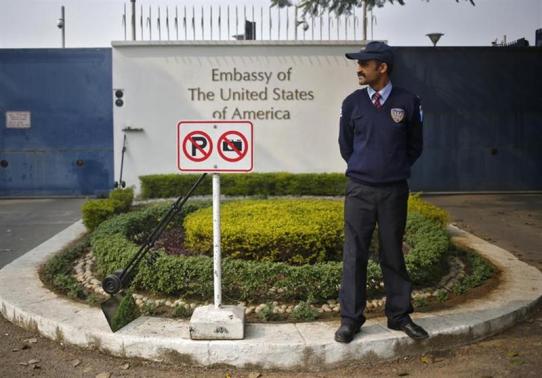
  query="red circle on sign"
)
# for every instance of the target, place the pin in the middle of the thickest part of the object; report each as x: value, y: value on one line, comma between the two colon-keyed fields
x: 240, y: 154
x: 188, y: 139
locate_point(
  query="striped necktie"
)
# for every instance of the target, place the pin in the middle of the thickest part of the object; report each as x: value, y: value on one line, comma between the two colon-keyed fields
x: 376, y: 100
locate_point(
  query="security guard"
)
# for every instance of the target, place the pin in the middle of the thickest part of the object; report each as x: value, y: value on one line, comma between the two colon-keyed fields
x: 380, y: 138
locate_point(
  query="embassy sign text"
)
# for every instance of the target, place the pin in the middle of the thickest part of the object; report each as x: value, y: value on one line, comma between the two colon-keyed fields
x: 270, y: 90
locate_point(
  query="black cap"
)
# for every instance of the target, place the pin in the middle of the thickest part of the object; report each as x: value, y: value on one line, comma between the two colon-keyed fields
x: 374, y: 50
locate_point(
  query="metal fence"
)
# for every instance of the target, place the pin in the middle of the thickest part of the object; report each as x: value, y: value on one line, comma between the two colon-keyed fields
x: 211, y: 22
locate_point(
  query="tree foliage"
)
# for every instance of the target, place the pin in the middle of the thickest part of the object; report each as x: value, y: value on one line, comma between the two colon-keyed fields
x: 316, y: 7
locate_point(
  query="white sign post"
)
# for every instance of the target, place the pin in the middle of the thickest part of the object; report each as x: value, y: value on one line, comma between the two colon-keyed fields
x: 216, y: 146
x: 217, y: 263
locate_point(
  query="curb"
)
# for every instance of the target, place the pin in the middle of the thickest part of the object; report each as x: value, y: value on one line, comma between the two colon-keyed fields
x: 26, y: 302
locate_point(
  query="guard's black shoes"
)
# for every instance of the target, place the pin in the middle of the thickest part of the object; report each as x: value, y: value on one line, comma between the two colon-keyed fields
x: 413, y: 330
x: 346, y: 333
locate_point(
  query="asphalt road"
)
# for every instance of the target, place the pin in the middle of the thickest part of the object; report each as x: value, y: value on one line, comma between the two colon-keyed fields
x: 26, y: 223
x: 511, y: 221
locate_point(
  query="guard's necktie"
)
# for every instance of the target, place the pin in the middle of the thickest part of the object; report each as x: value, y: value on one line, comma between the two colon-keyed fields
x: 376, y: 100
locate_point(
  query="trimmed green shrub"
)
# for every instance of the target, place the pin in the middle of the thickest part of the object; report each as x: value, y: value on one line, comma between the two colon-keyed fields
x: 137, y: 225
x: 293, y: 231
x: 430, y: 242
x: 95, y: 211
x: 417, y: 205
x: 114, y: 242
x: 191, y: 277
x: 264, y: 184
x: 124, y: 198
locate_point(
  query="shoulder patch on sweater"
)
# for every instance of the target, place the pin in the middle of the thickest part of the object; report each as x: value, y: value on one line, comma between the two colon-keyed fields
x: 397, y: 114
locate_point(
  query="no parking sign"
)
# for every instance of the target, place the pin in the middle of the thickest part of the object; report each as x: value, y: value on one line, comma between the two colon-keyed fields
x: 215, y: 146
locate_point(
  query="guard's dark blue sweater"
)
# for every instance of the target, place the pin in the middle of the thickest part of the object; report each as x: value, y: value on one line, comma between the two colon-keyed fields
x: 380, y: 145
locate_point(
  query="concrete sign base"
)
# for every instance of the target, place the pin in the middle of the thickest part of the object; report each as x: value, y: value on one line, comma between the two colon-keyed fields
x: 222, y: 323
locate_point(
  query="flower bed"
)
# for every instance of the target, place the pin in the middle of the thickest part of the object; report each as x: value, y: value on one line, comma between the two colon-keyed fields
x: 280, y: 284
x: 115, y: 241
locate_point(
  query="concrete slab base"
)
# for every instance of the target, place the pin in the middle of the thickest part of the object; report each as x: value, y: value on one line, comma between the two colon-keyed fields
x: 218, y: 323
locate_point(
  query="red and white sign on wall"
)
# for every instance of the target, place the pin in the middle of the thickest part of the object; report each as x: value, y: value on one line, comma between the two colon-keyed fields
x: 215, y: 146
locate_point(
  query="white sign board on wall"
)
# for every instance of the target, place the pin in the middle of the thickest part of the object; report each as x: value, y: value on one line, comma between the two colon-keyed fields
x: 18, y: 120
x: 290, y: 91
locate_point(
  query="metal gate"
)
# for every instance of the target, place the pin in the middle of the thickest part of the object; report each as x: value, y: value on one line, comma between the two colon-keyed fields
x: 56, y: 135
x: 483, y: 116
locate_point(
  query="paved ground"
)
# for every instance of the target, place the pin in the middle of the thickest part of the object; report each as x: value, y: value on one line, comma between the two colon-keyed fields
x: 513, y: 222
x: 510, y: 221
x: 26, y: 223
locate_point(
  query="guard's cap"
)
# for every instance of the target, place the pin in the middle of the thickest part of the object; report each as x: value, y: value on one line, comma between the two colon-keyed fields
x: 374, y: 50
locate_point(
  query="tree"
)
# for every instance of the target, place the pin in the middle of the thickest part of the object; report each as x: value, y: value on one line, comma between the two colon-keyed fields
x: 316, y: 7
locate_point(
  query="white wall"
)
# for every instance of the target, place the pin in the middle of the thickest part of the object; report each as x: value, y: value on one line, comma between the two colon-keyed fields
x: 157, y: 77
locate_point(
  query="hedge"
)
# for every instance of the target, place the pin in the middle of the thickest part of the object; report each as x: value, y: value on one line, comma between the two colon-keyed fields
x: 191, y: 277
x: 114, y: 242
x: 124, y: 198
x: 417, y: 205
x: 262, y: 184
x: 296, y: 231
x: 95, y: 211
x: 430, y: 243
x: 268, y: 184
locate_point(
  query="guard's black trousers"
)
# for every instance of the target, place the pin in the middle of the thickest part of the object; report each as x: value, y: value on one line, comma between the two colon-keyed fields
x: 364, y: 207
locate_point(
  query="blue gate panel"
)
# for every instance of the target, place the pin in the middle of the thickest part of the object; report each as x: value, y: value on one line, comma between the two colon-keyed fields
x: 78, y: 172
x: 482, y: 116
x: 68, y: 93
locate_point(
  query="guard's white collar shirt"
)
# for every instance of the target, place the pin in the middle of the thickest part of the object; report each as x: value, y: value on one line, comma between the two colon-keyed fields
x: 384, y: 92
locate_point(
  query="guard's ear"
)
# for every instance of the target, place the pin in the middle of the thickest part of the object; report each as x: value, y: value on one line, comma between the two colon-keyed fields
x: 383, y: 68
